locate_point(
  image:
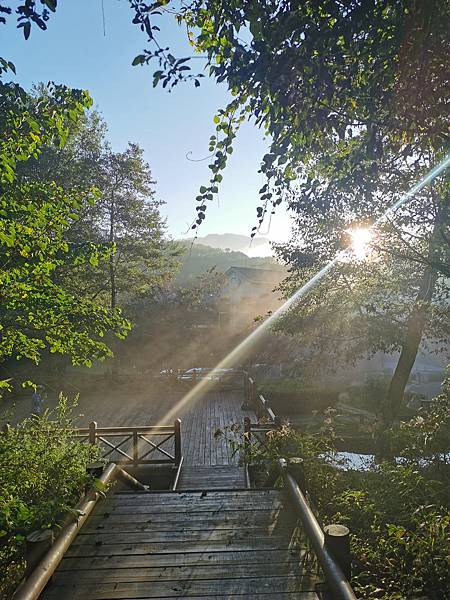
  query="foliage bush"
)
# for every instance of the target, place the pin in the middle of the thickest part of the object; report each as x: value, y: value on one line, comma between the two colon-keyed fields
x: 370, y: 395
x: 42, y: 475
x: 292, y: 395
x: 397, y: 510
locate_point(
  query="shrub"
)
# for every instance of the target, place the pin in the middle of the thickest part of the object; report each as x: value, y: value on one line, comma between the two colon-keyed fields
x: 293, y: 396
x: 42, y: 475
x: 397, y: 510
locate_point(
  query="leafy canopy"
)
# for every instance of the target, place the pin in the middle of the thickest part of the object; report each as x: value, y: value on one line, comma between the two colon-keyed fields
x: 37, y: 313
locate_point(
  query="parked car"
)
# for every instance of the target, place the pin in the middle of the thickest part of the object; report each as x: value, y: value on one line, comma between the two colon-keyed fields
x: 223, y: 378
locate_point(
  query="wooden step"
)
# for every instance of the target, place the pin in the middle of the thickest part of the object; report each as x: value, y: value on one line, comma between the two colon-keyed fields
x: 197, y: 544
x: 224, y: 477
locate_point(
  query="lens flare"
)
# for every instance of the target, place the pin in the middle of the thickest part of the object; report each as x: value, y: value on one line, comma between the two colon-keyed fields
x: 244, y: 347
x: 360, y: 244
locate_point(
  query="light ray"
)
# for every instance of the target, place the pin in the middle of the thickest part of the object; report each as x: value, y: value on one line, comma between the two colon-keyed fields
x: 243, y: 347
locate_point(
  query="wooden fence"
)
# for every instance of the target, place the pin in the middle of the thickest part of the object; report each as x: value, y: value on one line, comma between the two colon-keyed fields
x: 144, y: 445
x: 256, y: 401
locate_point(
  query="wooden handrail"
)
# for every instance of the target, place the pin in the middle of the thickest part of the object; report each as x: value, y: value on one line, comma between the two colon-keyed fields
x: 257, y: 402
x: 153, y: 429
x: 337, y: 582
x: 333, y: 567
x: 38, y: 579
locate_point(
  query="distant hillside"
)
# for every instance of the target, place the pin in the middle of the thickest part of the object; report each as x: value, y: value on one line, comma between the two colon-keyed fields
x: 236, y: 243
x: 199, y: 258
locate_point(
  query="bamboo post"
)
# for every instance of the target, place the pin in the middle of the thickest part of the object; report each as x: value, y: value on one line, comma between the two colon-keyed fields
x: 93, y: 432
x: 177, y: 432
x: 337, y: 541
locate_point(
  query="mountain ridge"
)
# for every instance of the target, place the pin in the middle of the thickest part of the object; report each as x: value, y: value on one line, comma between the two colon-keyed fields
x: 235, y: 242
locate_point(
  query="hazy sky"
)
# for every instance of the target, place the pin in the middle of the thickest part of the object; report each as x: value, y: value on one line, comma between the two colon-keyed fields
x: 168, y: 126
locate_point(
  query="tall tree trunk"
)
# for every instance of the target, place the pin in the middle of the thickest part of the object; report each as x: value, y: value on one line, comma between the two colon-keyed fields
x: 112, y: 271
x: 416, y: 321
x: 410, y: 345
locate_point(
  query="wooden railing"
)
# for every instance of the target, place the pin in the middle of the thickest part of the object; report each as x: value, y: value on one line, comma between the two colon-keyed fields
x: 331, y: 545
x: 43, y: 571
x: 144, y: 445
x: 256, y: 401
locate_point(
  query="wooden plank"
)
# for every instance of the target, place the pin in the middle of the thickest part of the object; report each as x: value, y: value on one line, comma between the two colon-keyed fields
x: 131, y: 547
x: 194, y: 520
x: 180, y: 573
x: 224, y: 559
x: 181, y: 497
x: 260, y: 596
x: 189, y: 536
x: 180, y: 589
x: 214, y: 507
x: 216, y: 530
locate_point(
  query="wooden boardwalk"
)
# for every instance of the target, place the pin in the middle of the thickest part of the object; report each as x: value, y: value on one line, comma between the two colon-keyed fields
x: 200, y: 422
x: 221, y: 541
x: 218, y: 545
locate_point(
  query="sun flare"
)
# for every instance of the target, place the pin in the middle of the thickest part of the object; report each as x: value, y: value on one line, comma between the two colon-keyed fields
x: 360, y: 242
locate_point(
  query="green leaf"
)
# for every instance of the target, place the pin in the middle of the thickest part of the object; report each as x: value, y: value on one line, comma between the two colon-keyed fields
x: 139, y: 60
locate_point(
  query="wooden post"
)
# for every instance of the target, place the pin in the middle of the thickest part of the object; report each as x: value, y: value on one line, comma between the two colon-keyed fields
x: 246, y: 403
x: 337, y: 542
x: 177, y: 430
x: 252, y: 393
x: 272, y: 476
x: 93, y: 432
x: 135, y: 448
x: 247, y: 434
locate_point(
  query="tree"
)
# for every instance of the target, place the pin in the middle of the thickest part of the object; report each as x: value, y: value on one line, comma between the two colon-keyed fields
x: 354, y: 97
x: 131, y: 223
x: 124, y: 221
x: 37, y: 313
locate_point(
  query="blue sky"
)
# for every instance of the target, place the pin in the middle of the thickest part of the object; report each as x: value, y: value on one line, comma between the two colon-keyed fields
x: 74, y: 51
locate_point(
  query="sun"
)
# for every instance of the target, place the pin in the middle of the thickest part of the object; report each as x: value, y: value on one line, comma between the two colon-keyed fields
x: 360, y: 242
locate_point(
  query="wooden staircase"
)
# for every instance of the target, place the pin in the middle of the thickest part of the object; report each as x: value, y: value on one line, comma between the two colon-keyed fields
x: 229, y: 477
x: 196, y: 544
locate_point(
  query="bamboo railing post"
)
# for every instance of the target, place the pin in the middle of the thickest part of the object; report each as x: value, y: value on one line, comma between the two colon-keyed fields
x: 93, y: 432
x: 337, y: 541
x: 177, y: 433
